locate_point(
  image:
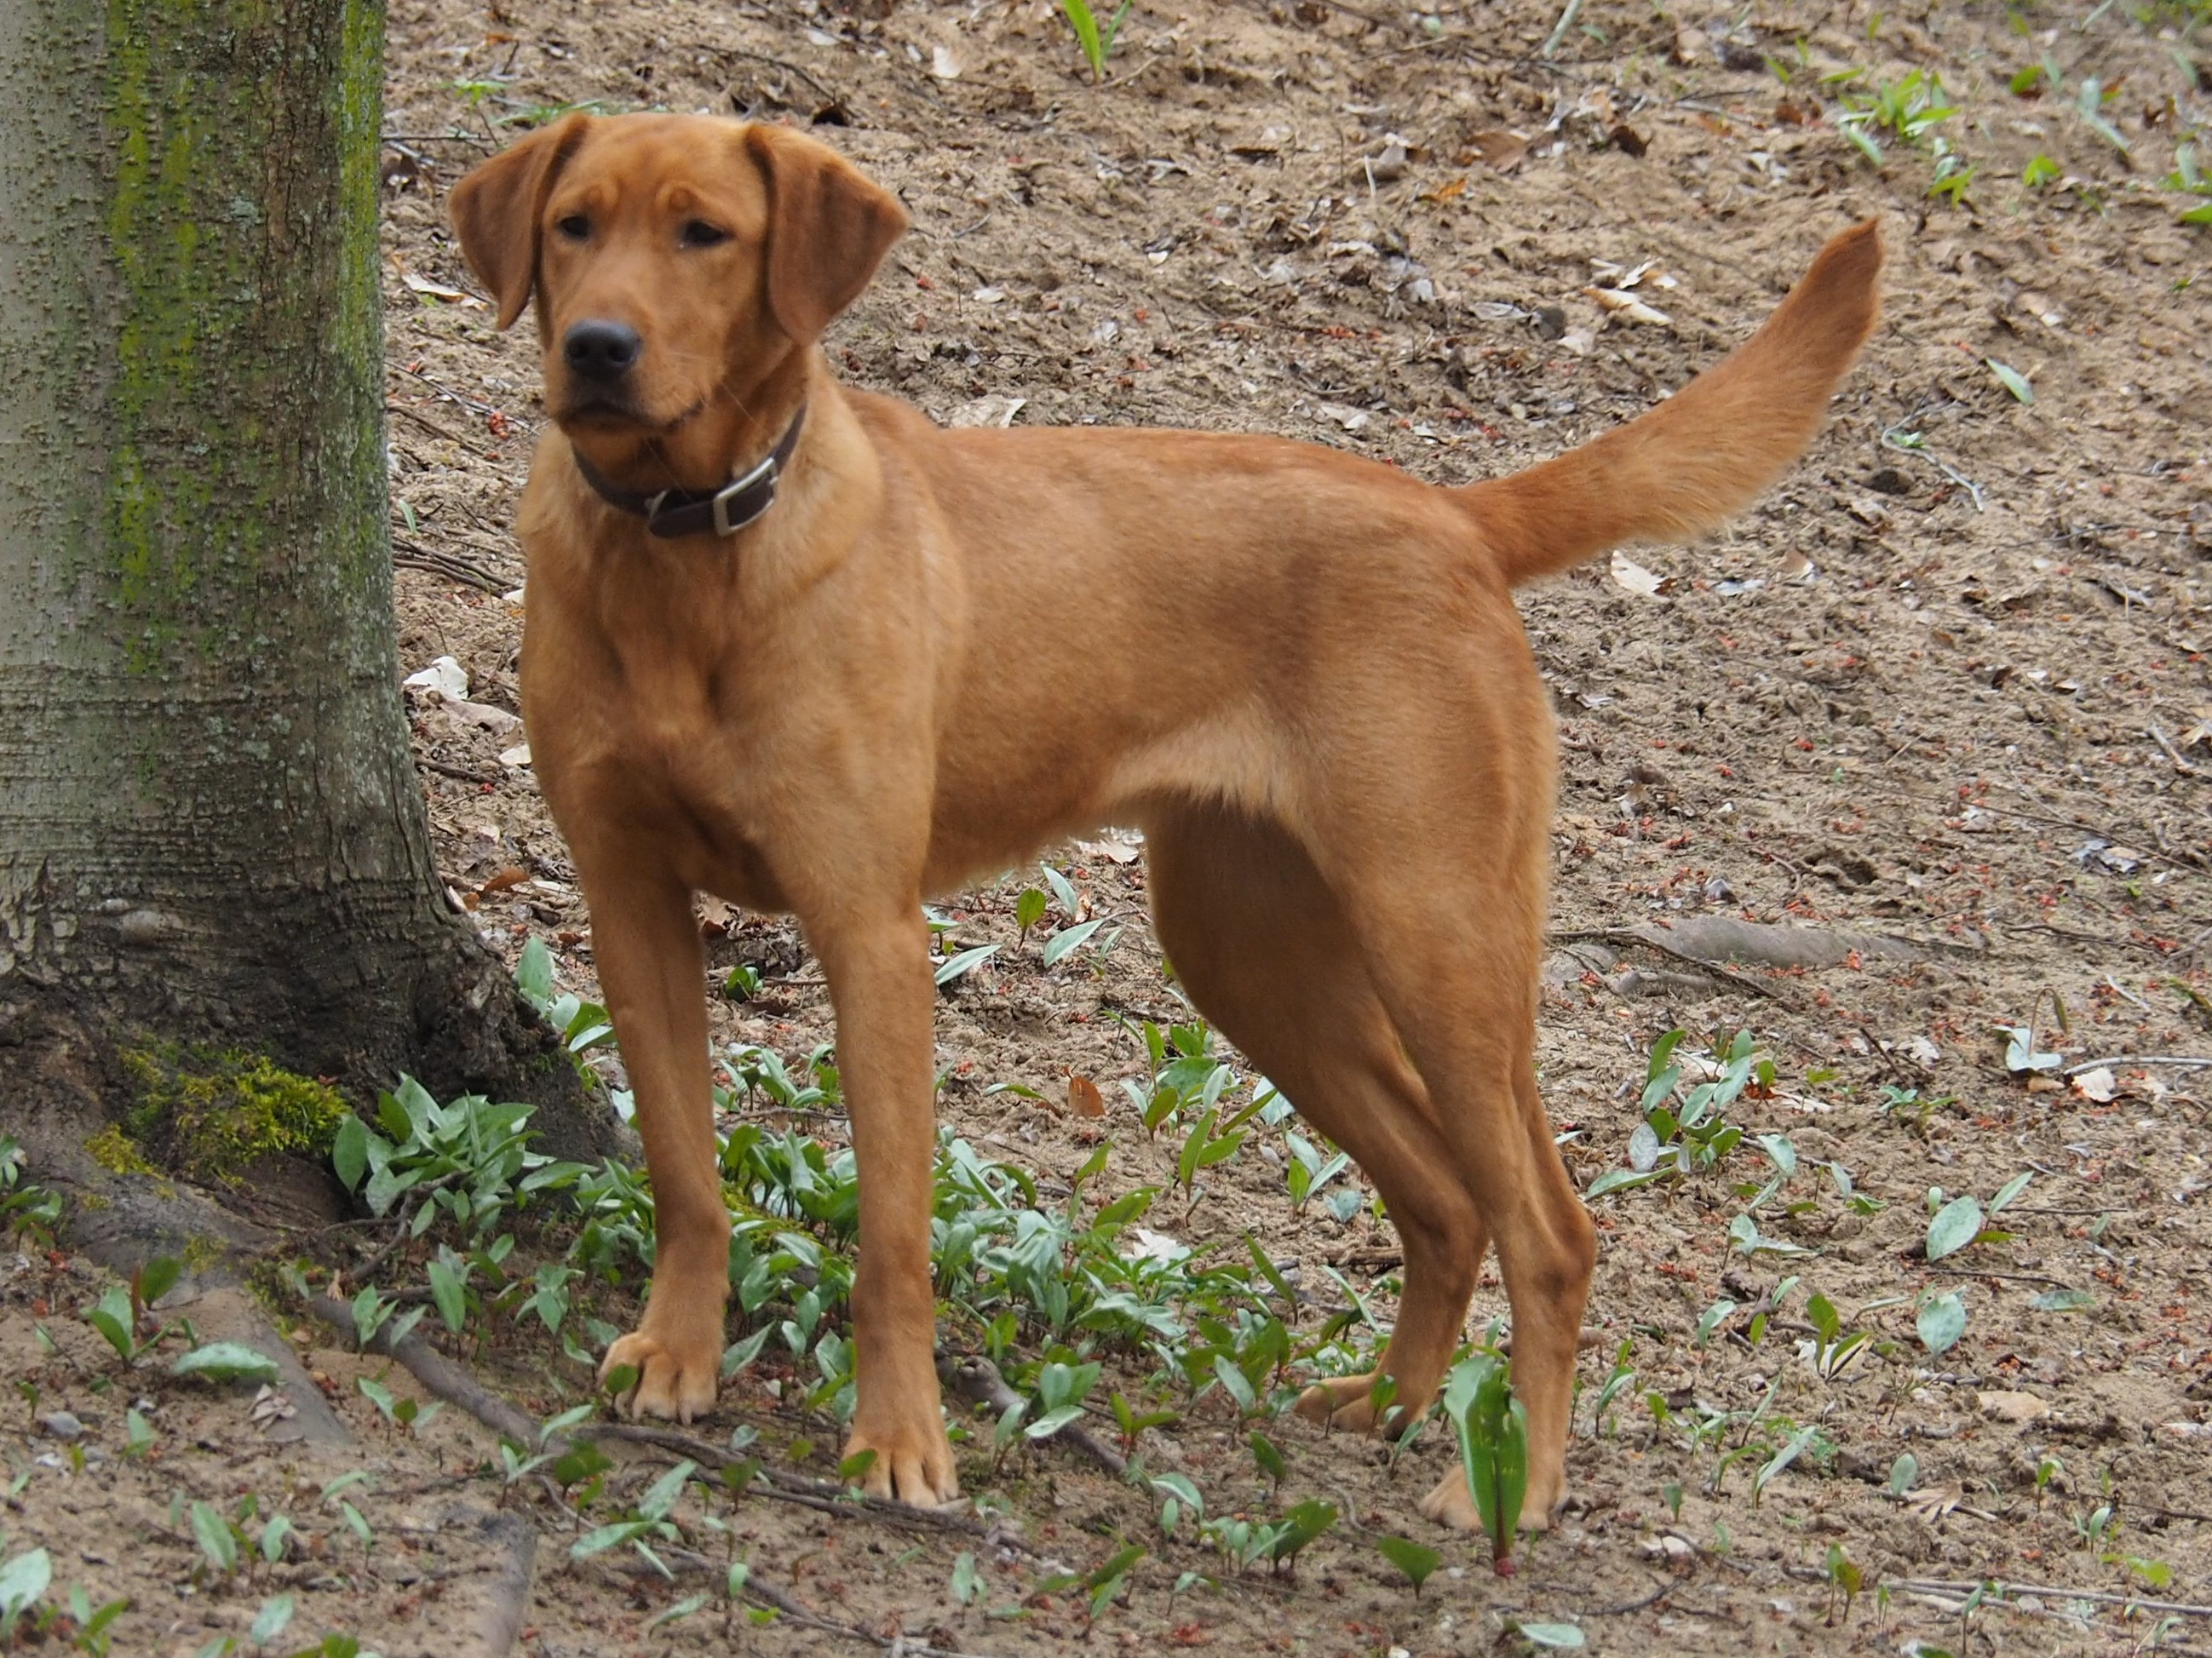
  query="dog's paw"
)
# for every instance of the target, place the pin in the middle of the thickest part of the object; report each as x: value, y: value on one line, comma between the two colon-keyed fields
x: 912, y: 1460
x: 1345, y: 1404
x: 1450, y: 1504
x: 672, y: 1381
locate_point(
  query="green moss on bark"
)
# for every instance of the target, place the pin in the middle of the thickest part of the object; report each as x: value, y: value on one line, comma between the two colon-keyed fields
x: 212, y: 1113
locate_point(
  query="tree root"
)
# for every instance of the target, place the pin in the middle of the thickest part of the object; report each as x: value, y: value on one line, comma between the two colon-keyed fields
x: 978, y: 1380
x: 500, y: 1625
x: 453, y: 1383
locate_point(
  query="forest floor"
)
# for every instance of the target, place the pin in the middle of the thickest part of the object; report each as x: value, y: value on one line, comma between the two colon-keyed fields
x: 1946, y: 685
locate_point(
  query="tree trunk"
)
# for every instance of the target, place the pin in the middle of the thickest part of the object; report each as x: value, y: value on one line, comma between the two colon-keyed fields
x: 209, y: 826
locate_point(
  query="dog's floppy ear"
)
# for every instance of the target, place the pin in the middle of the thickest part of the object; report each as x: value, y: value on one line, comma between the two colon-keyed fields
x: 828, y: 228
x: 495, y: 210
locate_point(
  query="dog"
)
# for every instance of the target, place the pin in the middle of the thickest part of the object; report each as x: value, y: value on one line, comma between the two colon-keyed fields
x: 772, y: 653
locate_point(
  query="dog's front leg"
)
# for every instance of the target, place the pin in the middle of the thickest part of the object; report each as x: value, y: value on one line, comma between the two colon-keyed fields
x: 653, y: 973
x: 878, y: 966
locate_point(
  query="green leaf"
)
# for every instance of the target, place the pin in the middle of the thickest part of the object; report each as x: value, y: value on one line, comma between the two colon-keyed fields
x: 268, y: 1623
x: 226, y: 1361
x: 967, y: 1580
x: 1410, y: 1558
x: 1955, y: 1226
x: 2011, y: 1189
x: 157, y: 1278
x: 445, y: 1288
x: 1063, y: 890
x: 1940, y: 1322
x: 533, y: 974
x: 2011, y: 379
x: 1269, y: 1457
x: 214, y: 1538
x: 349, y: 1151
x: 112, y: 1317
x: 2065, y: 1301
x: 661, y: 1497
x: 2199, y: 214
x: 954, y: 967
x: 1069, y: 939
x: 607, y: 1537
x: 1030, y: 907
x: 1564, y: 1637
x: 23, y: 1581
x: 682, y: 1608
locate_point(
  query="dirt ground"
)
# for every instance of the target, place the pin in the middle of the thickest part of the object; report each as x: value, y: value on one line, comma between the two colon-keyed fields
x: 1946, y: 683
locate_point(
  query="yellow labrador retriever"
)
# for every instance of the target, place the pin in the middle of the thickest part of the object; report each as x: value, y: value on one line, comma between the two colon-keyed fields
x: 768, y: 657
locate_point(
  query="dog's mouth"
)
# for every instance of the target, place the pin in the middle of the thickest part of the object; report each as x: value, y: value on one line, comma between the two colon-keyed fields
x: 602, y: 412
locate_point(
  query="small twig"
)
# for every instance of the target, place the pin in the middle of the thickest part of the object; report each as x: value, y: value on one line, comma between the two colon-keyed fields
x: 1889, y: 441
x: 812, y: 80
x: 1938, y: 1586
x: 429, y: 425
x: 452, y: 565
x: 2185, y: 1061
x: 2004, y: 1278
x: 978, y: 1379
x: 1559, y: 29
x: 1658, y: 1592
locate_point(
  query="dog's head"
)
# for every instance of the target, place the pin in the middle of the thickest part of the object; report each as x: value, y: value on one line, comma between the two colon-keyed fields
x: 679, y: 263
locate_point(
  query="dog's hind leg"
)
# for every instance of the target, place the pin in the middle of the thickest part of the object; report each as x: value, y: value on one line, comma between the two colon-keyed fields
x: 1440, y: 863
x: 1266, y: 952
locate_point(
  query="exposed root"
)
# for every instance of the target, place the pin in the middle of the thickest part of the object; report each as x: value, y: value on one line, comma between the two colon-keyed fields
x: 978, y: 1380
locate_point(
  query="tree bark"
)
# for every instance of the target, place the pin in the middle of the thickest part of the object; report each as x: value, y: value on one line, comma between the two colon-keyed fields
x: 210, y: 825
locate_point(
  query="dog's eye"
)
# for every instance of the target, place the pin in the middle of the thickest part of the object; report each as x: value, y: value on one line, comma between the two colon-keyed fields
x: 699, y: 234
x: 577, y: 228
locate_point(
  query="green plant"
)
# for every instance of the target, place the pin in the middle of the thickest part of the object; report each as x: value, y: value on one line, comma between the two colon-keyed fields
x: 1097, y: 43
x: 1415, y: 1560
x: 23, y: 1583
x: 1685, y: 1130
x: 649, y: 1520
x: 1954, y: 1225
x: 1907, y: 109
x: 26, y: 1210
x: 1492, y: 1427
x: 2185, y: 176
x: 582, y: 1025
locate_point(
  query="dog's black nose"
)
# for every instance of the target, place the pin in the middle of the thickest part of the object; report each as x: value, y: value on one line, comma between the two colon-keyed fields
x: 601, y: 351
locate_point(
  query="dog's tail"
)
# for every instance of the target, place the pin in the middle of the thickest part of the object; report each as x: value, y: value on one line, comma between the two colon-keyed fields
x: 1706, y: 451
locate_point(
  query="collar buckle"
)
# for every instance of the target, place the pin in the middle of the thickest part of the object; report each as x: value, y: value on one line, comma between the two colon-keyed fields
x: 763, y: 478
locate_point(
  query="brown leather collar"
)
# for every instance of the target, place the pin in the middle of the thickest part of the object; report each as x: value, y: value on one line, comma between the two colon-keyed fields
x: 672, y: 513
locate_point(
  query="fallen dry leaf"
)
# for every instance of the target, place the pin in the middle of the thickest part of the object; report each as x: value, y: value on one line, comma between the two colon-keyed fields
x: 1498, y: 148
x: 1113, y: 852
x: 1084, y: 1098
x: 435, y: 290
x: 2099, y: 1085
x: 510, y: 877
x: 1634, y: 578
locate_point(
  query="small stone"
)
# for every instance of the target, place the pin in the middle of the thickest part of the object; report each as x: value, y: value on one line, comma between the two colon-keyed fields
x: 1890, y: 482
x: 1550, y: 321
x: 2018, y: 1408
x: 61, y: 1425
x: 1389, y: 165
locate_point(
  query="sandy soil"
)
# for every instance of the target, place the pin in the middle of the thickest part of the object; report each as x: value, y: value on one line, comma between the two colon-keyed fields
x: 1946, y: 683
